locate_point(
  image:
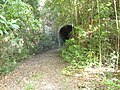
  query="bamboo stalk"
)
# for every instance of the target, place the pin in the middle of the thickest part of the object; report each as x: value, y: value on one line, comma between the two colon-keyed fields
x: 100, y: 51
x: 117, y: 26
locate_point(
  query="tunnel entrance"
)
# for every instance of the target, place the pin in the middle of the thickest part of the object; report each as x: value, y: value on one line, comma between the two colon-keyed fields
x: 64, y: 34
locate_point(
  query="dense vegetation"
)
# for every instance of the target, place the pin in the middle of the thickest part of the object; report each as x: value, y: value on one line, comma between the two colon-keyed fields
x: 22, y: 32
x: 94, y: 41
x: 19, y: 32
x: 95, y: 36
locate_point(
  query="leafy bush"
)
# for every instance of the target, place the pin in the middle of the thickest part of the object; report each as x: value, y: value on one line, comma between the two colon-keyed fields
x: 76, y: 55
x: 19, y: 33
x: 47, y: 42
x: 111, y: 84
x: 83, y: 48
x: 96, y: 37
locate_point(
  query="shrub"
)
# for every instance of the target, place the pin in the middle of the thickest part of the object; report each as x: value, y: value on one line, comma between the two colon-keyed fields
x: 20, y: 33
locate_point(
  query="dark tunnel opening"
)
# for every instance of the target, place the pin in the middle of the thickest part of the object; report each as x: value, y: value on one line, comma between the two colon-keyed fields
x: 64, y: 33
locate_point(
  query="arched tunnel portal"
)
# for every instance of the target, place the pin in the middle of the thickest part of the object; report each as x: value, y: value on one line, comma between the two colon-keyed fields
x: 64, y: 34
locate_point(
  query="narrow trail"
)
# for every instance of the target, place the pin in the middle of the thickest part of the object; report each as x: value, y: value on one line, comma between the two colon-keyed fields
x: 40, y: 72
x: 43, y: 72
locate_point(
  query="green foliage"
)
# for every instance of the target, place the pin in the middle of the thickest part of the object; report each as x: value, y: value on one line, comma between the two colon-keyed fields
x: 46, y: 42
x: 111, y: 85
x: 95, y: 36
x: 19, y: 32
x: 59, y: 11
x: 76, y: 54
x: 29, y: 86
x: 37, y: 76
x: 35, y: 6
x: 6, y: 25
x: 83, y: 48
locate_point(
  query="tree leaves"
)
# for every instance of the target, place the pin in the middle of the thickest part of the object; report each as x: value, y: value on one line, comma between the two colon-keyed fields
x: 19, y: 31
x: 3, y: 19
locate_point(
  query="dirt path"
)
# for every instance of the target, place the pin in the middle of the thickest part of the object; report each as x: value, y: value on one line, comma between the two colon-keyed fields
x: 41, y: 72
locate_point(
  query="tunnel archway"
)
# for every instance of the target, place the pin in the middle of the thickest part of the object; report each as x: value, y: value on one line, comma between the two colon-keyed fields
x: 64, y: 34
